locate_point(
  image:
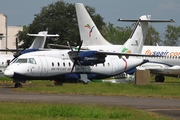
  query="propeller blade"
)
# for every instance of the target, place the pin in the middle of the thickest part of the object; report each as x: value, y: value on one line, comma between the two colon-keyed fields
x: 80, y: 65
x: 9, y: 50
x: 70, y: 46
x: 80, y: 46
x: 18, y: 53
x: 76, y: 58
x: 17, y: 48
x: 73, y: 66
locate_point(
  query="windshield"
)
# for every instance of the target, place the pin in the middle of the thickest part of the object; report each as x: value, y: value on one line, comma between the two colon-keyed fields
x: 31, y: 60
x: 26, y: 60
x: 21, y: 60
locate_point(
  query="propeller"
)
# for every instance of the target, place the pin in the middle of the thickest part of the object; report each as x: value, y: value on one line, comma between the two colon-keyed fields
x: 76, y: 58
x: 18, y: 52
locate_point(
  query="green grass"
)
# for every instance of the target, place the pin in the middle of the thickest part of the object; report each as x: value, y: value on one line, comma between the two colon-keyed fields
x: 169, y: 89
x: 58, y: 111
x: 3, y: 78
x: 163, y: 90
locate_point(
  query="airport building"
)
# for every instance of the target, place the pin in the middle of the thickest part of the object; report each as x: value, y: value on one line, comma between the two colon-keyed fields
x: 8, y: 34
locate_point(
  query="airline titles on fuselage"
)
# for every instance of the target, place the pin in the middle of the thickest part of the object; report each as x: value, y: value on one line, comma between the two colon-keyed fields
x: 162, y: 53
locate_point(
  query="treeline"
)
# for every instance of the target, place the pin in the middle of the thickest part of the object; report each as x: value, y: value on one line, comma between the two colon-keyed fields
x: 60, y: 18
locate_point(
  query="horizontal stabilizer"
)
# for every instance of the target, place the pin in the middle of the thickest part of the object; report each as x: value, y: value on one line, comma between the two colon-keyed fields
x: 42, y: 35
x: 40, y: 39
x: 151, y: 20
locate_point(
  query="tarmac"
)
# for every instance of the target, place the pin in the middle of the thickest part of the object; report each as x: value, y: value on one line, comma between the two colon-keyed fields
x: 166, y: 107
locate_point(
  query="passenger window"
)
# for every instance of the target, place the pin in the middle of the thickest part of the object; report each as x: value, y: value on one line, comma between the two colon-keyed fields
x: 58, y: 64
x: 52, y: 64
x: 108, y: 64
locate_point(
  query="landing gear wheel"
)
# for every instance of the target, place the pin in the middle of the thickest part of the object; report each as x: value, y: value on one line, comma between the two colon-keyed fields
x: 18, y: 85
x: 57, y: 83
x: 159, y: 78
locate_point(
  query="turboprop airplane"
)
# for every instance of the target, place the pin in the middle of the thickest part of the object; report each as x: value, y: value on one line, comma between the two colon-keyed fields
x: 71, y: 65
x: 38, y: 44
x: 65, y: 65
x: 93, y: 40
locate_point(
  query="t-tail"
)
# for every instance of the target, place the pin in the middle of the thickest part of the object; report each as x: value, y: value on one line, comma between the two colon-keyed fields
x: 136, y: 40
x: 37, y: 44
x: 89, y: 33
x: 40, y: 39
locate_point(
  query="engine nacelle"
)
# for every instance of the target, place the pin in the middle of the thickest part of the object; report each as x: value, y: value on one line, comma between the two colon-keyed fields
x: 90, y: 58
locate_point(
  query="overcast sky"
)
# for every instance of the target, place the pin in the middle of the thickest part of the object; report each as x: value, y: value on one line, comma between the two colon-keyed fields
x: 21, y: 12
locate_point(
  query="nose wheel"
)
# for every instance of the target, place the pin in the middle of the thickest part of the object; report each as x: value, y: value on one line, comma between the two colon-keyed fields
x: 18, y: 85
x: 58, y: 83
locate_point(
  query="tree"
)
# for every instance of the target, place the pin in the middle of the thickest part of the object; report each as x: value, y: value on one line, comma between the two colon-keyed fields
x: 152, y: 36
x: 172, y: 35
x: 116, y: 35
x: 22, y: 35
x: 60, y: 18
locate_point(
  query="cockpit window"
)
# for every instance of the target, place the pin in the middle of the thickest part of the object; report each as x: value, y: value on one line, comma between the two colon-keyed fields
x: 26, y: 60
x: 21, y: 60
x: 31, y: 60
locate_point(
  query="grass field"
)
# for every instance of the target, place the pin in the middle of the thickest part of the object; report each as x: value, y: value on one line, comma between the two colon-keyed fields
x: 58, y: 111
x: 50, y: 111
x: 169, y: 89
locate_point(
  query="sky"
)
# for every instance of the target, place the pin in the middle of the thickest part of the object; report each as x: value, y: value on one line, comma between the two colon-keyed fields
x: 21, y: 12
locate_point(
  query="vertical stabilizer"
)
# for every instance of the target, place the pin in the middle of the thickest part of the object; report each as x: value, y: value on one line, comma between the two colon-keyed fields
x: 136, y: 41
x: 40, y: 39
x: 89, y: 33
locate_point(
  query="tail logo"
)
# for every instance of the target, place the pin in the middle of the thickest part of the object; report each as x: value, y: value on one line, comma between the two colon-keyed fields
x: 91, y: 29
x: 125, y: 50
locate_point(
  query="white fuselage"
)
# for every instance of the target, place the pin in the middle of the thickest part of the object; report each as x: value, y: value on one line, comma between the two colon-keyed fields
x: 56, y: 64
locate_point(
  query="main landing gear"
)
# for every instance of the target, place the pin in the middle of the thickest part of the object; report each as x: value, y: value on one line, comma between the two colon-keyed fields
x: 18, y: 85
x: 159, y: 78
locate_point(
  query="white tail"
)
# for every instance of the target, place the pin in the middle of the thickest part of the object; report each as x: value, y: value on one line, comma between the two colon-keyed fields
x: 89, y: 33
x: 92, y: 37
x: 40, y: 39
x: 136, y: 40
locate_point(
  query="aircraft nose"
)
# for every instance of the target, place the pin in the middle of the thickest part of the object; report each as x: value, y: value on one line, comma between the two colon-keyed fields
x: 8, y: 73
